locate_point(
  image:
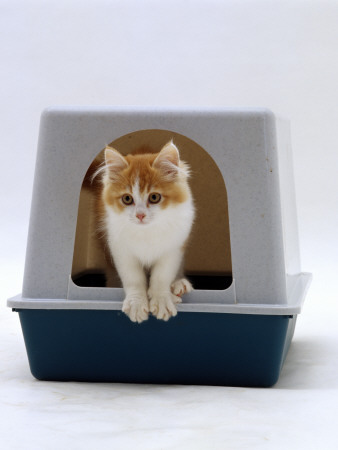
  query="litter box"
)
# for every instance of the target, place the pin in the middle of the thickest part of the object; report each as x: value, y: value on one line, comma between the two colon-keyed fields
x: 235, y: 328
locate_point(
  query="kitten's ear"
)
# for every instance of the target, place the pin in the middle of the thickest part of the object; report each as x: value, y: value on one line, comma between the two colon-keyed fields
x: 168, y: 160
x: 115, y: 162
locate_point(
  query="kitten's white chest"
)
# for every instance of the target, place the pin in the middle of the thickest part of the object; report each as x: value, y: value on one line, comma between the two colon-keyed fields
x: 149, y: 242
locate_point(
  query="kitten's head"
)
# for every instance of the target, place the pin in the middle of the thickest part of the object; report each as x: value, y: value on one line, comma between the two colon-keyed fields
x: 142, y: 186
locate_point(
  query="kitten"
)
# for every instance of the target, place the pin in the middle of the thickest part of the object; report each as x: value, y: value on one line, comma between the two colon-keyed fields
x: 147, y: 215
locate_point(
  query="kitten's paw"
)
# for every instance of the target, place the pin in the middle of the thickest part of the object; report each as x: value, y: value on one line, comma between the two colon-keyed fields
x: 162, y: 305
x: 136, y: 308
x: 181, y: 287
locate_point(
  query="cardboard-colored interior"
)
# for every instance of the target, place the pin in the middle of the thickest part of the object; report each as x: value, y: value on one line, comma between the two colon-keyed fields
x: 208, y: 252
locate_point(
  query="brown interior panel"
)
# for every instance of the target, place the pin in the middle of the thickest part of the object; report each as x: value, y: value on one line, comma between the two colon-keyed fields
x: 208, y: 252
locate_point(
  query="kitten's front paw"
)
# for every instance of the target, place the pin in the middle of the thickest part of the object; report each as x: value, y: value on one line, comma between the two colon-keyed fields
x: 136, y: 308
x: 162, y: 305
x: 181, y: 287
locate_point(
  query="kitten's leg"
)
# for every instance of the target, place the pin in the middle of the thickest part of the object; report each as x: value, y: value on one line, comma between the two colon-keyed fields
x: 162, y: 301
x: 134, y: 282
x: 181, y: 286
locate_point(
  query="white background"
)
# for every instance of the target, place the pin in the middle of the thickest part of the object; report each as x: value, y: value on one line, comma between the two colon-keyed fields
x: 278, y: 54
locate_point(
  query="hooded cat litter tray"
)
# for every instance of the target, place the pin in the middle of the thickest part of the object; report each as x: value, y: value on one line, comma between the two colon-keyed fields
x: 235, y: 328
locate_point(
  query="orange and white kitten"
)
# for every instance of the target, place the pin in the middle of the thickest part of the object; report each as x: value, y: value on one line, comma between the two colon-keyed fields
x: 148, y: 213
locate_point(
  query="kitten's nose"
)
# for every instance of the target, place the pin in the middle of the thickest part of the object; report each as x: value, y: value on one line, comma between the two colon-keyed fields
x: 140, y: 216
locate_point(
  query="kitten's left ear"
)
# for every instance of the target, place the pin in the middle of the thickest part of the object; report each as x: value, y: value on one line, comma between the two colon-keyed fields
x: 168, y: 160
x: 114, y: 160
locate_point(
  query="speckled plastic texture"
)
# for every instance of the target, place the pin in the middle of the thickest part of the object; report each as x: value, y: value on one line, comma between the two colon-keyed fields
x: 252, y: 150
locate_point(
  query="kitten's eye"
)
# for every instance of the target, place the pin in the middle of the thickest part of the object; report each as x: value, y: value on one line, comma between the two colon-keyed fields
x: 127, y: 199
x: 154, y: 198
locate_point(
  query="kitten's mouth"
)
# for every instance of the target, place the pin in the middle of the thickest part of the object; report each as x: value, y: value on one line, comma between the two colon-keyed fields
x: 142, y: 223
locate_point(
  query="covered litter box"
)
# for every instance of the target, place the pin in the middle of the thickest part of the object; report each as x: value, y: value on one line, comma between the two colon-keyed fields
x: 235, y: 328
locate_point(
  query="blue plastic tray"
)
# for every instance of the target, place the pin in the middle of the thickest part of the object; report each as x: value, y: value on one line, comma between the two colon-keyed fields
x: 192, y: 348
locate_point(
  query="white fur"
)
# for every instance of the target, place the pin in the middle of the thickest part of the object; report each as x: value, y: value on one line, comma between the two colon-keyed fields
x: 155, y: 245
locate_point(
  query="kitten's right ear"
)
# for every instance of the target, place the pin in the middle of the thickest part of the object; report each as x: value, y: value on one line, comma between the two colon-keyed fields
x: 168, y: 160
x: 115, y: 162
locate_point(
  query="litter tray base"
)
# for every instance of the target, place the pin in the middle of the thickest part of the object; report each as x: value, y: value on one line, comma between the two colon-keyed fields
x: 192, y: 348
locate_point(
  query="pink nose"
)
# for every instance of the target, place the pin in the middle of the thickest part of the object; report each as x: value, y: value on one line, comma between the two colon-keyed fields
x: 140, y: 216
